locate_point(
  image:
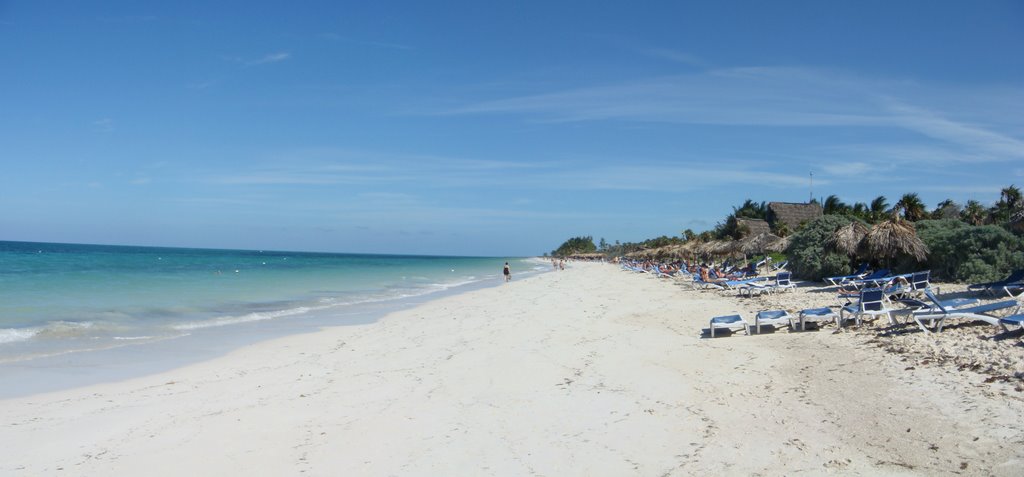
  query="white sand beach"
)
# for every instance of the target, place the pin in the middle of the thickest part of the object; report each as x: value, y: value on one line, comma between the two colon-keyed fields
x: 591, y: 371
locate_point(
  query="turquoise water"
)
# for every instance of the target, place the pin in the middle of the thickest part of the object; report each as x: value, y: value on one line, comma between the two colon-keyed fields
x: 64, y: 298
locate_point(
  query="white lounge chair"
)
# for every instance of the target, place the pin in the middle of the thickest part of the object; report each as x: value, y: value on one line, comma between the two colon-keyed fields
x: 1012, y: 320
x: 729, y: 322
x: 783, y: 281
x: 872, y: 302
x: 812, y: 315
x: 774, y: 318
x: 937, y: 315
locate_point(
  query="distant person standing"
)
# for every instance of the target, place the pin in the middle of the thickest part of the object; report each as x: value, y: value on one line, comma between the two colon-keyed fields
x: 507, y: 272
x: 561, y: 264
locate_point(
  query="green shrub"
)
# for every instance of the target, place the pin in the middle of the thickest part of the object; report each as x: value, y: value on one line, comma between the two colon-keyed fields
x: 966, y: 253
x: 807, y: 256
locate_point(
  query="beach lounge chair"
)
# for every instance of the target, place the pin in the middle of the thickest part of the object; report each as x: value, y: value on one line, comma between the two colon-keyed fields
x: 698, y: 283
x: 783, y: 281
x: 860, y: 273
x: 872, y: 302
x: 729, y: 322
x: 937, y: 314
x: 874, y: 279
x: 735, y: 285
x: 756, y: 288
x: 771, y: 317
x: 1008, y: 285
x: 812, y: 315
x: 780, y: 265
x: 921, y: 281
x: 1012, y: 320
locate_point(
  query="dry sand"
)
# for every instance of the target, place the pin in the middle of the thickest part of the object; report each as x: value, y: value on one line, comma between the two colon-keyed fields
x: 591, y: 371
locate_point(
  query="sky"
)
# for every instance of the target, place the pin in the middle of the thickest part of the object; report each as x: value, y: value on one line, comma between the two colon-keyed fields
x: 489, y: 128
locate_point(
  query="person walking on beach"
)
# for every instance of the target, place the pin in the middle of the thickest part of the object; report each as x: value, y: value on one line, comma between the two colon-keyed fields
x: 507, y: 272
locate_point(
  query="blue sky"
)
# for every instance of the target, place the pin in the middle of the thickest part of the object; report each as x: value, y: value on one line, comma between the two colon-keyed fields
x: 489, y: 128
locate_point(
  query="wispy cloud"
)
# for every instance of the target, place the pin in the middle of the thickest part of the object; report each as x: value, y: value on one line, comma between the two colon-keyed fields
x: 771, y: 97
x: 269, y: 58
x: 676, y: 56
x: 103, y: 125
x: 376, y: 44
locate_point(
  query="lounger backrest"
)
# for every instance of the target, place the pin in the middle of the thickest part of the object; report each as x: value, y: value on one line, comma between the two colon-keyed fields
x: 935, y: 301
x: 878, y: 274
x: 783, y: 278
x: 920, y: 280
x: 871, y: 299
x: 771, y: 314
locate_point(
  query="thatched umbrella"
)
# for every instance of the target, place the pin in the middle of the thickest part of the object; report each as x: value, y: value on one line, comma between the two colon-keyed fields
x: 759, y: 243
x: 707, y: 248
x: 729, y: 248
x: 893, y: 238
x: 780, y: 245
x: 849, y: 239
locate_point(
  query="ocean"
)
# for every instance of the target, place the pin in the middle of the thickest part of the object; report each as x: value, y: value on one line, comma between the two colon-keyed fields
x: 68, y: 300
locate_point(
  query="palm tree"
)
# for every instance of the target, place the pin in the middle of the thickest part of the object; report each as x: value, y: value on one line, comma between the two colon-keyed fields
x: 751, y: 210
x: 1009, y: 203
x: 946, y: 209
x: 912, y: 206
x: 973, y: 213
x: 834, y: 206
x: 878, y: 208
x: 860, y: 210
x: 1011, y: 196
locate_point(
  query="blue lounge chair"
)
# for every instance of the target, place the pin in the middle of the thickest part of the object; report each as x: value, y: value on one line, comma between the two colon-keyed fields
x: 729, y: 322
x: 739, y: 284
x: 812, y: 315
x: 1007, y: 285
x: 698, y: 283
x: 921, y: 281
x: 874, y: 279
x: 872, y: 302
x: 1012, y: 320
x: 860, y: 273
x: 771, y: 317
x: 937, y: 315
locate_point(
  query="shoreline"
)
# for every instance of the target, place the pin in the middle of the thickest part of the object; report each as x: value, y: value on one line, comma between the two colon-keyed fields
x: 81, y: 368
x: 591, y: 371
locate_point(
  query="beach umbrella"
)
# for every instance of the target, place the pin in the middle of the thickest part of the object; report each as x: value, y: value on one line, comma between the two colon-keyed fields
x: 894, y: 238
x: 728, y: 248
x: 779, y: 246
x: 760, y: 243
x: 849, y: 239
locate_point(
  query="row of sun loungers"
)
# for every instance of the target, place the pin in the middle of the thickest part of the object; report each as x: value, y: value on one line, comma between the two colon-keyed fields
x: 921, y: 305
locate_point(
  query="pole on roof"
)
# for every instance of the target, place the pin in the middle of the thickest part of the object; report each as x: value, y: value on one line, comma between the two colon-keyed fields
x: 811, y: 197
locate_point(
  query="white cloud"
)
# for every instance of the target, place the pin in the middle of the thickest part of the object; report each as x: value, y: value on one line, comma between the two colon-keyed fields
x: 777, y: 97
x: 269, y: 58
x: 104, y: 125
x: 676, y: 56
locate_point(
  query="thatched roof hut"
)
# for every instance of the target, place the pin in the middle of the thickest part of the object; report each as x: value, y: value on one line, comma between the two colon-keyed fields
x: 848, y: 239
x: 752, y: 227
x: 894, y: 238
x: 792, y: 214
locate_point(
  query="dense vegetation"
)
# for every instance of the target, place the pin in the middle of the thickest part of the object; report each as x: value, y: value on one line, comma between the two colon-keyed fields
x: 807, y: 255
x: 574, y: 246
x: 968, y: 242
